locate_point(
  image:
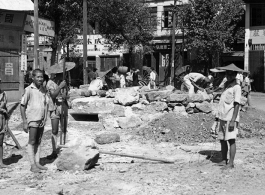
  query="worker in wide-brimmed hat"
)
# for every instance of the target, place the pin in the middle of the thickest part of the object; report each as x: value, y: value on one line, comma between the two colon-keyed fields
x: 228, y: 115
x: 57, y: 88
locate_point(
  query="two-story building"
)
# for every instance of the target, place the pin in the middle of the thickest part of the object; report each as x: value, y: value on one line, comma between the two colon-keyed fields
x: 255, y: 42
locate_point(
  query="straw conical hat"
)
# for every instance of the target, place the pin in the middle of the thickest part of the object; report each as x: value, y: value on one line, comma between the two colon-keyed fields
x: 58, y: 68
x: 231, y: 67
x: 216, y: 70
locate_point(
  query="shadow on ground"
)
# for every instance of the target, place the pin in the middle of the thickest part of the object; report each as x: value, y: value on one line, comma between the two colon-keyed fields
x: 212, y: 155
x: 12, y: 159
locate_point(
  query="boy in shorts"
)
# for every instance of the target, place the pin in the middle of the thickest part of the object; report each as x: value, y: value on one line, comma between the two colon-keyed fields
x: 228, y: 114
x: 33, y: 108
x: 57, y: 93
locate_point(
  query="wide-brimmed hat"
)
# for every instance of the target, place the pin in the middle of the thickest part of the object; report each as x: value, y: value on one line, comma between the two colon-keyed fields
x: 58, y: 68
x: 216, y: 70
x: 231, y: 67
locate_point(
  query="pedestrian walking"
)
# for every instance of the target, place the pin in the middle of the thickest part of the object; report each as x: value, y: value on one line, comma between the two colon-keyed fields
x: 34, y: 110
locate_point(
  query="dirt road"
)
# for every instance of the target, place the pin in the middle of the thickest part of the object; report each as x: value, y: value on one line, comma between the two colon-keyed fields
x: 194, y: 170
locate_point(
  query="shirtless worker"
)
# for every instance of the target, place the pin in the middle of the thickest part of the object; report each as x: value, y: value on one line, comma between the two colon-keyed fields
x: 57, y: 90
x: 194, y: 77
x: 33, y: 108
x: 57, y: 95
x: 228, y: 115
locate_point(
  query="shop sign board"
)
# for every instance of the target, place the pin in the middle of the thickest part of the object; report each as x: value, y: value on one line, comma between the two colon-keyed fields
x: 9, y: 39
x: 8, y: 68
x: 46, y: 27
x: 12, y: 19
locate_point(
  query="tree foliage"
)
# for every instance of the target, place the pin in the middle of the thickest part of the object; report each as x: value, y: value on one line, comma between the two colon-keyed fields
x: 211, y: 26
x: 123, y: 22
x: 66, y: 15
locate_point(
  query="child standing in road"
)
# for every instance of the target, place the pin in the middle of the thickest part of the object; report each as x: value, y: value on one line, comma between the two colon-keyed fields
x: 228, y: 114
x: 3, y: 127
x: 33, y: 108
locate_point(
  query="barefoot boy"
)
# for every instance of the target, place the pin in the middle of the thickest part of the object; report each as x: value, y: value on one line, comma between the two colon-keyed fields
x: 33, y: 110
x: 228, y: 114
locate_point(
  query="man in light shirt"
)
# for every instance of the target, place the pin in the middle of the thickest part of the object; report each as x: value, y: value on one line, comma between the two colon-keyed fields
x: 194, y: 77
x: 152, y: 83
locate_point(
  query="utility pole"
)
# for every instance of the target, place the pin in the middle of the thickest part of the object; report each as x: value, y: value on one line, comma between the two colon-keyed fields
x: 36, y: 35
x: 85, y: 79
x: 173, y: 44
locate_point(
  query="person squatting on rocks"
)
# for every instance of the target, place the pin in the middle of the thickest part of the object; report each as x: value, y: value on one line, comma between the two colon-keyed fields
x: 228, y: 115
x: 3, y: 124
x: 33, y: 108
x: 194, y: 77
x: 58, y: 93
x: 152, y: 83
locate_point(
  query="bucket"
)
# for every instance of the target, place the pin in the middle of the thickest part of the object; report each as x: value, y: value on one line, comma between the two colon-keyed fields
x: 123, y: 69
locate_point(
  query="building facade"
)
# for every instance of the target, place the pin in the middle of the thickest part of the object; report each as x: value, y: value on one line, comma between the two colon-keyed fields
x: 160, y: 59
x: 13, y: 46
x: 255, y: 42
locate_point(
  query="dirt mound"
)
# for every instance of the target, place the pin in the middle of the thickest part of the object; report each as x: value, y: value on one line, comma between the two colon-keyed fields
x: 178, y: 128
x: 252, y: 124
x: 196, y: 127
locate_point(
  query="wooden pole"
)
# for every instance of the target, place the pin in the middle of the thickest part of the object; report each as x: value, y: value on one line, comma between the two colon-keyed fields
x: 173, y: 44
x: 85, y: 78
x: 36, y: 35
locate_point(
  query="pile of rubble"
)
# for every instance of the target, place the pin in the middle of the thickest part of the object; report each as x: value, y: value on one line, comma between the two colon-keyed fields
x: 132, y: 107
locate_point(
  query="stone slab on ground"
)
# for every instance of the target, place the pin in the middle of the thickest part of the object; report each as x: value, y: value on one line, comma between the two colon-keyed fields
x: 93, y: 105
x: 157, y: 95
x: 129, y: 122
x: 107, y: 138
x: 177, y: 98
x: 205, y: 107
x: 127, y: 96
x: 159, y: 106
x: 79, y: 157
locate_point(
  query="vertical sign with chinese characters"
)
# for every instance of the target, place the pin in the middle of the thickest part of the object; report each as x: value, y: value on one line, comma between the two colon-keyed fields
x: 23, y: 53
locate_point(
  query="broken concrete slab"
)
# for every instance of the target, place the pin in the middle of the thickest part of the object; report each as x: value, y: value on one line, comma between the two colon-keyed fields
x: 177, y: 98
x: 159, y: 106
x: 92, y: 105
x: 77, y: 158
x: 127, y: 96
x: 129, y: 122
x: 107, y: 138
x: 157, y: 95
x: 205, y: 107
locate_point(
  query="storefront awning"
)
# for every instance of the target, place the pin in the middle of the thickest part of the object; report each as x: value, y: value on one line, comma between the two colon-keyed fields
x: 17, y: 5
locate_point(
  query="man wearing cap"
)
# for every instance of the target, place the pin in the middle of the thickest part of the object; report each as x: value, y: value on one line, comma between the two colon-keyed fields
x: 194, y: 77
x: 228, y: 115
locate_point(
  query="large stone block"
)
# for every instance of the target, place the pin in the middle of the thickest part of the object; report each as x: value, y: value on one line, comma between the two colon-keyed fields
x: 159, y: 106
x: 93, y: 105
x: 196, y: 98
x: 177, y: 98
x: 205, y: 107
x: 107, y: 138
x: 129, y: 122
x: 78, y: 157
x: 157, y: 95
x: 127, y: 96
